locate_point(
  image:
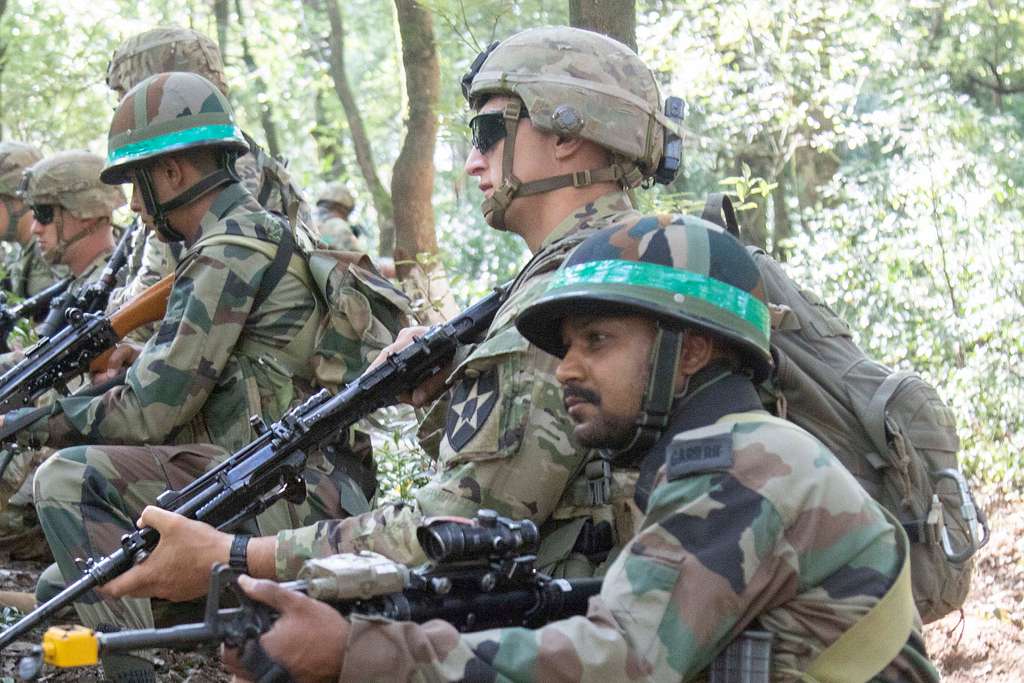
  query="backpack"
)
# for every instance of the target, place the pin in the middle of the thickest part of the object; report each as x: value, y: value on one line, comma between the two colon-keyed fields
x: 363, y: 310
x: 889, y: 428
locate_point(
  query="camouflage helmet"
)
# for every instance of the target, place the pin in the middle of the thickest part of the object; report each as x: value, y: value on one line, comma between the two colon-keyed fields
x: 580, y: 83
x: 71, y: 179
x: 15, y: 157
x: 337, y: 193
x: 683, y: 273
x: 164, y: 49
x: 168, y: 113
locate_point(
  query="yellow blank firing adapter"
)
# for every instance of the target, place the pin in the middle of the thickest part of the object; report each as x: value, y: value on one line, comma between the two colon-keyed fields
x: 65, y: 648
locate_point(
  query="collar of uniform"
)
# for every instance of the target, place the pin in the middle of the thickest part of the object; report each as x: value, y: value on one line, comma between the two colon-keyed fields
x: 604, y: 210
x: 732, y: 393
x: 230, y: 197
x: 95, y: 267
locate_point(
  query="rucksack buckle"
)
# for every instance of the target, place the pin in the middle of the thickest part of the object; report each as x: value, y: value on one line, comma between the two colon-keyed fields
x: 977, y: 523
x: 599, y: 482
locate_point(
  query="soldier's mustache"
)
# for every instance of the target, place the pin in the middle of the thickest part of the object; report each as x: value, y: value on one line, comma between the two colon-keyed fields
x: 581, y: 393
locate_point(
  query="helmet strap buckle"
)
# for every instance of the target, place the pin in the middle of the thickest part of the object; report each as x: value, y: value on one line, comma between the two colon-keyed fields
x: 581, y: 178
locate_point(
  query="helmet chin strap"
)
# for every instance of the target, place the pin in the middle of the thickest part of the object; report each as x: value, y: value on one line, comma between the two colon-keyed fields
x: 60, y: 251
x: 626, y: 174
x: 13, y: 216
x: 224, y: 175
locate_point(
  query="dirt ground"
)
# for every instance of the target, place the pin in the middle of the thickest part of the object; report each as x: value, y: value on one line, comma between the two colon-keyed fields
x: 986, y: 645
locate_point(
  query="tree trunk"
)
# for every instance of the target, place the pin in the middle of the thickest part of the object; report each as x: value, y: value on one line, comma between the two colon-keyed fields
x: 266, y: 112
x: 222, y: 11
x: 412, y: 178
x: 328, y: 143
x: 3, y: 64
x: 360, y: 140
x: 614, y: 18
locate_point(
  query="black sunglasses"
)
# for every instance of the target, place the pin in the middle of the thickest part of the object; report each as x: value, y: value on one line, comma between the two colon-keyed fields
x: 489, y: 129
x: 44, y: 213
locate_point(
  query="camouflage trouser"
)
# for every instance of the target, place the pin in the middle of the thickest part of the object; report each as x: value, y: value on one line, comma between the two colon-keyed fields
x: 87, y: 497
x: 20, y: 535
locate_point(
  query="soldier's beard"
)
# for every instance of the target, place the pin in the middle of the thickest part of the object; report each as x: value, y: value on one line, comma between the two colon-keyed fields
x: 599, y: 429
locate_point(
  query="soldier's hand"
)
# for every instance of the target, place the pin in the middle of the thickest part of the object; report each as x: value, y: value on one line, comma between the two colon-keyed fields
x: 123, y: 355
x: 308, y: 639
x: 179, y: 567
x: 432, y: 387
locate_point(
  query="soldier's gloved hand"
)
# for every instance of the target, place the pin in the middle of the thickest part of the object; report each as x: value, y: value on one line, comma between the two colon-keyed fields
x: 308, y: 639
x: 123, y: 355
x: 429, y: 389
x: 179, y: 567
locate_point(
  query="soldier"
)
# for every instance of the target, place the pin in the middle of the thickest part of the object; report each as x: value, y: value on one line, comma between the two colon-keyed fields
x: 171, y: 48
x: 235, y: 342
x: 72, y: 214
x: 333, y: 209
x: 662, y: 328
x: 28, y: 273
x: 566, y: 121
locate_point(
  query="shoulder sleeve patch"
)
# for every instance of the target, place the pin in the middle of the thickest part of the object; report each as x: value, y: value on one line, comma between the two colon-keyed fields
x: 708, y: 449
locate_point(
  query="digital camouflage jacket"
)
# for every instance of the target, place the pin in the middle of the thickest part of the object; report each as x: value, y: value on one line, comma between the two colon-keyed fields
x: 504, y: 437
x: 29, y: 272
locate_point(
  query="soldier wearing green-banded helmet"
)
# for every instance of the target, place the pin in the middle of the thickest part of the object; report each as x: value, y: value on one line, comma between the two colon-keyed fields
x: 173, y: 48
x: 28, y: 273
x: 758, y: 556
x: 235, y: 342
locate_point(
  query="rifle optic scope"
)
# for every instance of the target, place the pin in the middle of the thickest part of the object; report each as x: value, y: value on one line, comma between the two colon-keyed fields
x: 487, y: 536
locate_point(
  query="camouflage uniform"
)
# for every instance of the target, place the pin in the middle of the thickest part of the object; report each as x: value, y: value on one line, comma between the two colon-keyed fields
x: 172, y: 48
x: 749, y: 520
x: 27, y: 273
x: 504, y: 440
x: 215, y: 361
x: 335, y: 230
x: 71, y: 180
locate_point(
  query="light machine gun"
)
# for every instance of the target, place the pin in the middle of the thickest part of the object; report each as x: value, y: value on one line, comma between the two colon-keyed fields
x: 269, y: 469
x: 480, y: 575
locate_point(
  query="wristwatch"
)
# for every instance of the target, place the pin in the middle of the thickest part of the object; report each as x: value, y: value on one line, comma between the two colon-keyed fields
x: 238, y: 558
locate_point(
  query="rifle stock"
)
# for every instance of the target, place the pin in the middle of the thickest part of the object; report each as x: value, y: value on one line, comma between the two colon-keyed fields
x: 148, y: 307
x: 270, y: 468
x: 53, y: 361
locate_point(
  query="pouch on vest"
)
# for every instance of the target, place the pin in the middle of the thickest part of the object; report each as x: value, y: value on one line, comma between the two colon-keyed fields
x: 890, y: 429
x: 364, y: 313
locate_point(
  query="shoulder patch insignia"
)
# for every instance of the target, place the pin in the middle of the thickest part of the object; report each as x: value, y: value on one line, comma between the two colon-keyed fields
x: 693, y: 452
x: 471, y: 404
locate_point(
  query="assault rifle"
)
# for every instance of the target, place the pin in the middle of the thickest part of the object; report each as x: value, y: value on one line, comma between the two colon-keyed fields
x: 269, y: 469
x: 85, y: 341
x: 481, y: 574
x: 30, y: 308
x: 92, y: 298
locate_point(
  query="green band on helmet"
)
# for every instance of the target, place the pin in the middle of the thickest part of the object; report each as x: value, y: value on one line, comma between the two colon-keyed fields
x: 169, y: 141
x: 668, y: 279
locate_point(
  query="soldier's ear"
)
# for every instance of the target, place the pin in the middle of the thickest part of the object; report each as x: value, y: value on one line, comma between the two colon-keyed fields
x: 567, y: 146
x: 697, y: 351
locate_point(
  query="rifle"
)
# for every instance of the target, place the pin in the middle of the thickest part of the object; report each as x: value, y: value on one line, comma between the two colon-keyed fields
x: 481, y: 574
x: 92, y: 298
x: 85, y: 343
x: 269, y: 468
x: 28, y: 308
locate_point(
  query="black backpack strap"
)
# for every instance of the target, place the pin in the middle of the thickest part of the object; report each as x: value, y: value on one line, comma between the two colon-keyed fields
x: 277, y: 268
x: 718, y: 209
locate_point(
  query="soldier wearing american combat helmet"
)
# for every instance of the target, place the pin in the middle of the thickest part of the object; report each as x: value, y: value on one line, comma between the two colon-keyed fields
x: 334, y: 206
x: 27, y: 272
x: 71, y: 214
x: 235, y: 342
